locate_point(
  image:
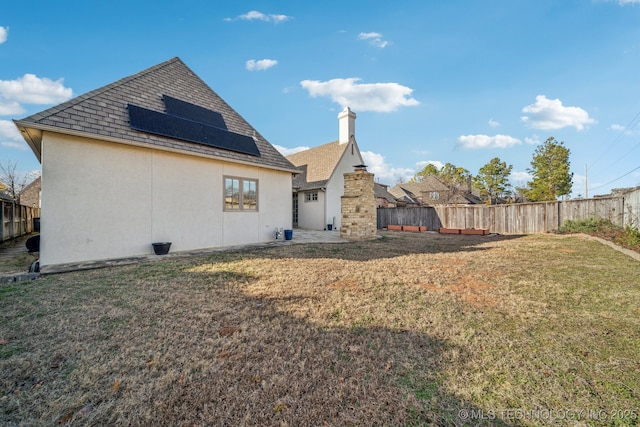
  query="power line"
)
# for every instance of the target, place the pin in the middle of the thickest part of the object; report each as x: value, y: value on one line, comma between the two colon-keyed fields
x: 611, y: 182
x: 628, y: 128
x: 632, y: 124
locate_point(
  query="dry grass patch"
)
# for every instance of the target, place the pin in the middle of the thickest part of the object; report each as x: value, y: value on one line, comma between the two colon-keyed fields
x: 407, y: 330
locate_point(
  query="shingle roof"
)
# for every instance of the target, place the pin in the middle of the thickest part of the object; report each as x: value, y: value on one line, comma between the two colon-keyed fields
x: 428, y: 184
x: 102, y: 114
x: 420, y: 192
x: 381, y: 191
x: 320, y: 163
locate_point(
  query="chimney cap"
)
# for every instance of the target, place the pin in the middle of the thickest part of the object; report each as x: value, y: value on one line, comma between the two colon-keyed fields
x: 360, y: 167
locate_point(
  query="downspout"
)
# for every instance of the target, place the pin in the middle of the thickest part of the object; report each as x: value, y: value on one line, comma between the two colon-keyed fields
x: 324, y: 207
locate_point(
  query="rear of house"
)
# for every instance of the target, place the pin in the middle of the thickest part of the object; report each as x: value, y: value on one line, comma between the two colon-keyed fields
x: 157, y: 156
x: 317, y: 191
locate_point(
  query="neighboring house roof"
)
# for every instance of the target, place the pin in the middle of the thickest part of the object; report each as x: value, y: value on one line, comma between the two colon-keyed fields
x: 416, y: 190
x: 35, y: 184
x: 103, y: 114
x: 5, y: 196
x: 431, y: 191
x: 381, y: 192
x: 464, y: 199
x: 30, y: 196
x: 317, y: 165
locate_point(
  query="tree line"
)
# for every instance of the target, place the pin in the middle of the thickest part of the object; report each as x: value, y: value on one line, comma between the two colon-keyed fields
x: 550, y: 172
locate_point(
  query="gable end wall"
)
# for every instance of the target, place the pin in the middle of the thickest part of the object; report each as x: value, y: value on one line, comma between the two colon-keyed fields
x: 107, y: 201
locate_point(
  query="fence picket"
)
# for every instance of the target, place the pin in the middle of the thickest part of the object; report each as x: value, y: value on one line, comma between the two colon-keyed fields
x: 518, y: 218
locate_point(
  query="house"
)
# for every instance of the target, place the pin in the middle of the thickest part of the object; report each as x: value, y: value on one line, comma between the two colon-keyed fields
x: 154, y: 157
x: 384, y: 199
x: 30, y: 196
x: 317, y: 191
x: 431, y: 191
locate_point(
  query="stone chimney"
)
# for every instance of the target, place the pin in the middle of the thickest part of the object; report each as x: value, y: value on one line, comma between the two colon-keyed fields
x: 347, y: 123
x: 359, y: 212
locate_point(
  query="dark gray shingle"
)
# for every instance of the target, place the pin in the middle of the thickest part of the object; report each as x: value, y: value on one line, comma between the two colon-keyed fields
x: 102, y: 114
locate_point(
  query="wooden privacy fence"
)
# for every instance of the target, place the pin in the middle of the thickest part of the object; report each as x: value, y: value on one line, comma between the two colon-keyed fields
x: 519, y: 218
x: 16, y: 220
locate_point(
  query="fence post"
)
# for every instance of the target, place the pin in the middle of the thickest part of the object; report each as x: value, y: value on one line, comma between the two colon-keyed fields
x: 12, y: 229
x: 1, y: 221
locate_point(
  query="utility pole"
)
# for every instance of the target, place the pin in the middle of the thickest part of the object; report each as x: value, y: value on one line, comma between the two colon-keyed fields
x: 586, y: 182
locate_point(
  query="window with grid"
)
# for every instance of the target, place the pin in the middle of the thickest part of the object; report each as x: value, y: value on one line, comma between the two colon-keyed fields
x: 240, y: 194
x: 311, y: 196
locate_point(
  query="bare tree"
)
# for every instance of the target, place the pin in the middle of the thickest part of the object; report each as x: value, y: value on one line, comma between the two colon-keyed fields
x: 15, y: 180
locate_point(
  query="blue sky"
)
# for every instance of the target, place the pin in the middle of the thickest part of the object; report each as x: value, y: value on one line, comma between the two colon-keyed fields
x: 430, y: 81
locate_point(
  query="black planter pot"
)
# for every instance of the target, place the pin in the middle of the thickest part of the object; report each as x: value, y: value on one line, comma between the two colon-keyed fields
x: 161, y: 248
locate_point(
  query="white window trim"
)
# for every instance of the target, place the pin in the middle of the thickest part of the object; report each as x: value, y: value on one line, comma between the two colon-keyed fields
x: 311, y: 198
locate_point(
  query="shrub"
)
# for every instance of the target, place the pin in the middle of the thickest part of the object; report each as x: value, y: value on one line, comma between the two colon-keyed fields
x: 588, y: 225
x: 630, y: 237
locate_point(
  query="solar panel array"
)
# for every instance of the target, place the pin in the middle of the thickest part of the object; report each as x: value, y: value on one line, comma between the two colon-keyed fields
x: 193, y: 112
x: 192, y: 123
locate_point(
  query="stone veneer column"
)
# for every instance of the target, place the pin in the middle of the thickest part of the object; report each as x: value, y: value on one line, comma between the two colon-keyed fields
x: 359, y: 213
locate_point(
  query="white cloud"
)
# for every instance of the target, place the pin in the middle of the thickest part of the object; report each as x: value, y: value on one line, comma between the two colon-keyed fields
x: 374, y: 38
x: 288, y: 151
x: 382, y: 97
x: 10, y: 108
x: 261, y: 64
x: 3, y: 34
x: 473, y: 142
x: 10, y: 136
x: 534, y: 140
x: 8, y: 130
x: 438, y: 164
x: 493, y: 123
x: 377, y: 165
x: 14, y: 145
x: 520, y: 177
x: 30, y: 89
x: 365, y: 36
x: 254, y: 15
x: 551, y: 114
x: 622, y: 129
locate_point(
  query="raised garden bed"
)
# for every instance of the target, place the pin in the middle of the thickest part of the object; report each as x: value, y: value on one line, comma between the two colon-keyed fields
x: 480, y: 231
x: 414, y: 228
x: 468, y: 231
x: 449, y: 230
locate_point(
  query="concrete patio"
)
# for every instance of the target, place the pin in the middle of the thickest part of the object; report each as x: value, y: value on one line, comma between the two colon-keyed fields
x: 299, y: 236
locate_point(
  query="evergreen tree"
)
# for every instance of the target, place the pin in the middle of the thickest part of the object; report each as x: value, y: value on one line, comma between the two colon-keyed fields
x: 454, y: 177
x: 451, y: 175
x: 493, y: 179
x: 550, y: 169
x: 429, y: 169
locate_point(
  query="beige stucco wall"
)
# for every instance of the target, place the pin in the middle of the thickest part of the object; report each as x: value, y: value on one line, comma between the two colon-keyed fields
x: 103, y: 200
x: 335, y: 186
x: 311, y: 214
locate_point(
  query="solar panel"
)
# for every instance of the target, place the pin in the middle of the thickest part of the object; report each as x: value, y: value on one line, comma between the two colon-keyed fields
x: 186, y: 110
x: 176, y: 127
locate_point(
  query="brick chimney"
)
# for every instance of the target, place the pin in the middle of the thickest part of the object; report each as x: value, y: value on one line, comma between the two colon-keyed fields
x: 347, y: 124
x: 359, y: 211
